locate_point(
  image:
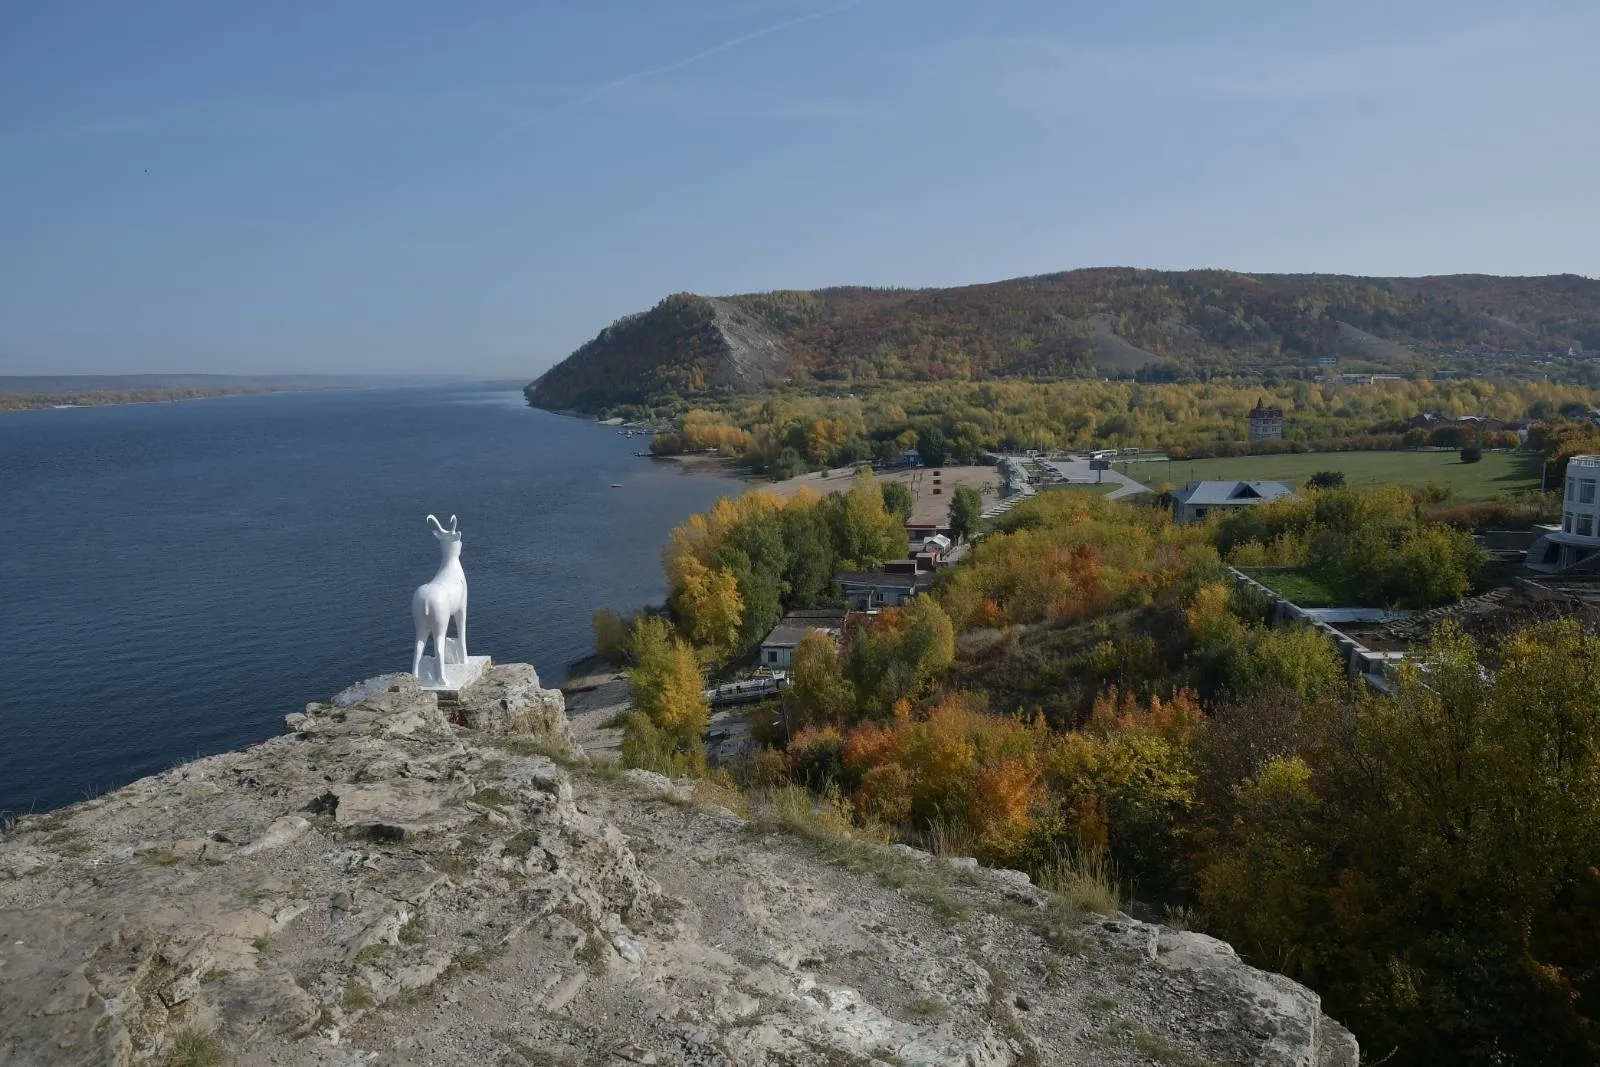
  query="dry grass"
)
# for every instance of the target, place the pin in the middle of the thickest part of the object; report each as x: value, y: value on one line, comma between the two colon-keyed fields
x: 604, y: 770
x: 195, y: 1048
x: 455, y: 866
x: 718, y: 789
x: 495, y: 798
x: 533, y: 746
x: 798, y: 809
x: 520, y: 843
x: 946, y: 907
x: 1083, y: 882
x: 375, y: 954
x: 413, y: 931
x: 357, y: 997
x: 1153, y: 1047
x: 950, y: 838
x: 595, y: 953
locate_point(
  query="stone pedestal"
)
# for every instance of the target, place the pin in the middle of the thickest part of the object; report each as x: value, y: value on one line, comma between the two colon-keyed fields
x: 457, y: 674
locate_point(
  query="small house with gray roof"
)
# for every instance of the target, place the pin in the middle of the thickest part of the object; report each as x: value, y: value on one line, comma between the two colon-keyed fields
x: 777, y: 651
x: 1197, y: 500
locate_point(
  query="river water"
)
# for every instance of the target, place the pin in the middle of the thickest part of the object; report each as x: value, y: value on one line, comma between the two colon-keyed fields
x: 175, y: 578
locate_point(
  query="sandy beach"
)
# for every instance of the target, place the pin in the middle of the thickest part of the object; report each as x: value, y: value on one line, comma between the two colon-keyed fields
x: 929, y: 506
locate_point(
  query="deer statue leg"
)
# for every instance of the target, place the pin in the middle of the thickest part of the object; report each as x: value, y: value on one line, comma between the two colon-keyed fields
x: 461, y: 632
x: 439, y: 646
x: 416, y: 658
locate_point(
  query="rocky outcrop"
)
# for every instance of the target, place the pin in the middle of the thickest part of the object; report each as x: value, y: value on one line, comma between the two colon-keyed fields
x: 686, y: 344
x: 396, y: 881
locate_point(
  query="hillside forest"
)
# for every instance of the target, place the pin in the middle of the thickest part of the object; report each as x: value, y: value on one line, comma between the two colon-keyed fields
x: 1089, y: 698
x: 1159, y: 325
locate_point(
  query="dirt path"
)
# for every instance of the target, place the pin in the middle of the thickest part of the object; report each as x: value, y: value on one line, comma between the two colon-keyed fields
x: 597, y: 693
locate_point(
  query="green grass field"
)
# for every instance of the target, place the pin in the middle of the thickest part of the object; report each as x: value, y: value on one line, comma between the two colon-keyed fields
x: 1496, y: 474
x: 1303, y: 587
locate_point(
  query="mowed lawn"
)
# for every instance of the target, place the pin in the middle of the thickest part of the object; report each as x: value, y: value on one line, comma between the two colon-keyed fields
x: 1496, y: 474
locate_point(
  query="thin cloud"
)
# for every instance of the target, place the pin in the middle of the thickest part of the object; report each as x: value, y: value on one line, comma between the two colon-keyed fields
x: 703, y: 54
x: 1054, y: 73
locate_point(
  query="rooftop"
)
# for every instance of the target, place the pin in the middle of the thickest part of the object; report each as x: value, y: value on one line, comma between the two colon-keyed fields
x: 1224, y: 492
x: 795, y: 625
x: 882, y: 580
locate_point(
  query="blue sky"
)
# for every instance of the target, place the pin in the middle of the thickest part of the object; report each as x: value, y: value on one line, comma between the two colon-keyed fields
x: 345, y: 185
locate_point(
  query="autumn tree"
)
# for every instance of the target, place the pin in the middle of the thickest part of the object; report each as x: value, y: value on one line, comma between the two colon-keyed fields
x: 1426, y: 860
x: 966, y: 511
x: 710, y: 607
x: 818, y: 694
x: 865, y: 532
x: 902, y: 654
x: 666, y: 729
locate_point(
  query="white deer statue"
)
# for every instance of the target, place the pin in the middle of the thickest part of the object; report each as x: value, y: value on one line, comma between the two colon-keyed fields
x: 444, y: 598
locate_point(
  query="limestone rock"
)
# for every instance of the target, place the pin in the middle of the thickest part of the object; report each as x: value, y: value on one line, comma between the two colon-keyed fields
x: 508, y: 700
x: 435, y: 862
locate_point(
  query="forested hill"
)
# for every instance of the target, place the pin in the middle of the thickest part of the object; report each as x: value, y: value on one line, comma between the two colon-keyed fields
x: 1104, y: 320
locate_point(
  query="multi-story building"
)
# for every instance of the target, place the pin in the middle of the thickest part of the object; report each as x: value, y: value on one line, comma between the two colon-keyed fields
x: 1578, y: 536
x: 1265, y: 423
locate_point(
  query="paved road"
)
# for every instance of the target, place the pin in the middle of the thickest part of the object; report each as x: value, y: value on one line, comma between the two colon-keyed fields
x: 1076, y: 470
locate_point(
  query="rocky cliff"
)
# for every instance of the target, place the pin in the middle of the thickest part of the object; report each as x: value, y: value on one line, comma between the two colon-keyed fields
x: 396, y: 881
x: 686, y: 344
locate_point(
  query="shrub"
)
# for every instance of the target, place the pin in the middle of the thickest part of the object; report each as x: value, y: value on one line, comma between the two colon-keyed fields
x: 610, y: 635
x: 816, y: 757
x: 195, y: 1048
x: 648, y: 747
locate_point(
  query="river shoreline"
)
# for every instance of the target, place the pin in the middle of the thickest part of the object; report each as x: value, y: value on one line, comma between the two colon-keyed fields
x: 54, y: 402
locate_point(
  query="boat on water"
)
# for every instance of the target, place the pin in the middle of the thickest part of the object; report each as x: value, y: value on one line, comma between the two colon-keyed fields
x: 616, y: 485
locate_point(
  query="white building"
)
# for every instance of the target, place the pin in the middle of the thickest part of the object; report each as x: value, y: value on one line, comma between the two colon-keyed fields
x: 1578, y: 536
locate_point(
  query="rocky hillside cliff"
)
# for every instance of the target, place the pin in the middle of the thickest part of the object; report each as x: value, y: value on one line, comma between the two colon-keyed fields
x: 395, y: 882
x: 686, y: 344
x: 1107, y: 320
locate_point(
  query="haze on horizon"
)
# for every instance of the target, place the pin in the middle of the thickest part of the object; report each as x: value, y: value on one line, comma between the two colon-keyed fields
x: 408, y: 187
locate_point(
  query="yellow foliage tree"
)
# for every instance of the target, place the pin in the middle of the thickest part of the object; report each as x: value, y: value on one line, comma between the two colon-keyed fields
x: 709, y: 606
x: 669, y: 701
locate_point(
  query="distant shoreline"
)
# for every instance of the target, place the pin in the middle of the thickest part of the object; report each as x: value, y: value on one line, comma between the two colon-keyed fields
x: 73, y: 399
x: 20, y: 402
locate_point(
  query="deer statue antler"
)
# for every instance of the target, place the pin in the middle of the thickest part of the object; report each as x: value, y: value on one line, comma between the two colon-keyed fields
x: 436, y: 525
x: 453, y: 528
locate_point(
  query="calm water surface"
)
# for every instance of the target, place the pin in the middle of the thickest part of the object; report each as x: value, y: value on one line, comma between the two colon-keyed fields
x: 177, y: 577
